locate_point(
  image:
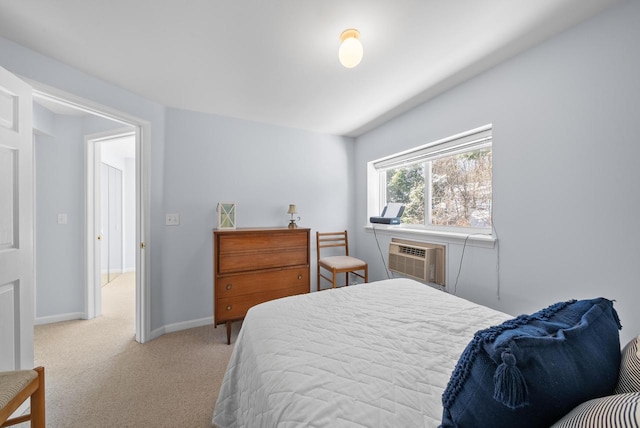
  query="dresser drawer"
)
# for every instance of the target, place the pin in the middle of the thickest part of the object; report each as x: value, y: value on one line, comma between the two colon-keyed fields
x: 229, y: 309
x: 256, y: 282
x: 251, y: 260
x: 259, y: 250
x: 263, y: 241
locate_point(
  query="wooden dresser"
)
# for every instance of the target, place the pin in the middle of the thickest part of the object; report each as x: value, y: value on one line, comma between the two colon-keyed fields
x: 252, y: 266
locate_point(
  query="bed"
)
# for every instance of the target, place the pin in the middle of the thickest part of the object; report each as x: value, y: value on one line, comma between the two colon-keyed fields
x: 398, y: 353
x: 377, y: 354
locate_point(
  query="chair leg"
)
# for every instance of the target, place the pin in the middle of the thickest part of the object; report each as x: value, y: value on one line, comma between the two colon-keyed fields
x: 366, y: 274
x: 38, y: 419
x: 334, y: 279
x: 318, y: 277
x: 346, y: 278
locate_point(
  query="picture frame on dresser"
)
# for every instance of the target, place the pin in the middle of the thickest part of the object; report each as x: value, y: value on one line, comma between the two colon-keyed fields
x: 226, y: 215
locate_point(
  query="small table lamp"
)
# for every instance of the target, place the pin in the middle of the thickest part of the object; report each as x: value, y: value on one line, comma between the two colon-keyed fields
x: 292, y: 211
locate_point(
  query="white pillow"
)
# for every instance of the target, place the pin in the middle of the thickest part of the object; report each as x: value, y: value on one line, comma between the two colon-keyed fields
x: 629, y: 378
x: 620, y: 410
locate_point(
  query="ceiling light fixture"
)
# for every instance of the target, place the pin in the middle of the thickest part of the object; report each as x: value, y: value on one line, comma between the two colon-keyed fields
x: 350, y: 52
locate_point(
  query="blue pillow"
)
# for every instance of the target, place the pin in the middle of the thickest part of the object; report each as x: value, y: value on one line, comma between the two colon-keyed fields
x: 532, y: 370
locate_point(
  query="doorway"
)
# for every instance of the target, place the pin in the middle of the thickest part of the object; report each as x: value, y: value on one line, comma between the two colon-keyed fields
x: 111, y: 219
x: 117, y: 205
x: 139, y: 142
x: 111, y: 191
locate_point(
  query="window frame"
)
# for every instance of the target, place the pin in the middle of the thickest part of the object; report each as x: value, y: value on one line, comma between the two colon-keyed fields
x: 474, y: 139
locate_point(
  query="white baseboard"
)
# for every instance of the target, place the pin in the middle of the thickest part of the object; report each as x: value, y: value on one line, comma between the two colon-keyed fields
x: 171, y: 328
x: 59, y: 318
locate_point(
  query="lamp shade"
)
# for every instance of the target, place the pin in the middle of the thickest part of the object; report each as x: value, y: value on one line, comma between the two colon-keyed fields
x: 350, y: 52
x: 292, y: 209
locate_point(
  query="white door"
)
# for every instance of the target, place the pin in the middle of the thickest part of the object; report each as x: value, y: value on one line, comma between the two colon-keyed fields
x: 110, y: 223
x: 103, y: 243
x: 114, y: 222
x: 16, y: 224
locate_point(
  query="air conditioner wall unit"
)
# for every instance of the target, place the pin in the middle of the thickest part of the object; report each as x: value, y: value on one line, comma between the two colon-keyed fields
x: 420, y: 260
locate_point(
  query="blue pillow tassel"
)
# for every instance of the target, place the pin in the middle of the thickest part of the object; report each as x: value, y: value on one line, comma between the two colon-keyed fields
x: 509, y: 386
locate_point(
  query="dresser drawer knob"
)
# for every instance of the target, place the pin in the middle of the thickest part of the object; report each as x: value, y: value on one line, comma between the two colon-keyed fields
x: 299, y: 276
x: 228, y: 307
x: 228, y: 287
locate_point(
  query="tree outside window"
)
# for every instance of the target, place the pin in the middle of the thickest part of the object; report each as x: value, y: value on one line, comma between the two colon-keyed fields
x: 452, y: 190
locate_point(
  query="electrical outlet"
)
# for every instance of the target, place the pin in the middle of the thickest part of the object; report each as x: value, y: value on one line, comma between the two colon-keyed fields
x: 62, y: 218
x: 172, y: 219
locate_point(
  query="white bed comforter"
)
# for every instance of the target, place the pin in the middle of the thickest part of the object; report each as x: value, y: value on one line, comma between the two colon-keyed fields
x: 371, y: 355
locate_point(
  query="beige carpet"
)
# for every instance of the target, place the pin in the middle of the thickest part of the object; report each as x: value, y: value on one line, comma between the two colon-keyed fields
x: 97, y: 375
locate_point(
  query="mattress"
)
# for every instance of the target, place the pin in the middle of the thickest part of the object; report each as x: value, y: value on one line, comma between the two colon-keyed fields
x: 371, y: 355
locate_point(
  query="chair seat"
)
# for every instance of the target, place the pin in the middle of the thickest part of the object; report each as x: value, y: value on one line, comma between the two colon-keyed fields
x: 15, y: 388
x: 338, y: 260
x: 11, y: 383
x: 341, y: 262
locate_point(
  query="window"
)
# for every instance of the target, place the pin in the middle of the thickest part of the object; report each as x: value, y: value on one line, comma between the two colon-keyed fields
x: 445, y: 184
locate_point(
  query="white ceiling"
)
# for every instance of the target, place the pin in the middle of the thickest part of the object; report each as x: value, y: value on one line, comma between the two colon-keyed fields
x: 276, y: 61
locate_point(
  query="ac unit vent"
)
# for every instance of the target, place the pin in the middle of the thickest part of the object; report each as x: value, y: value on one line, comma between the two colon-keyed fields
x: 412, y: 251
x: 419, y: 260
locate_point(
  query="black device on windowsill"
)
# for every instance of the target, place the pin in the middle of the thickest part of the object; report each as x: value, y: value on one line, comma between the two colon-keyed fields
x: 390, y: 214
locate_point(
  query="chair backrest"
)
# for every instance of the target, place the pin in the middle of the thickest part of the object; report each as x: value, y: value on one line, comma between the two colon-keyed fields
x: 332, y: 239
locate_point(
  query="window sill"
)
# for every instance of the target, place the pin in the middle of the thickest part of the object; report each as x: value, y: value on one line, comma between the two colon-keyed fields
x: 473, y: 238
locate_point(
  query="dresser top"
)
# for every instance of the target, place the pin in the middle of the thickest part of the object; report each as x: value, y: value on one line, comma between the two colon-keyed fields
x: 261, y: 229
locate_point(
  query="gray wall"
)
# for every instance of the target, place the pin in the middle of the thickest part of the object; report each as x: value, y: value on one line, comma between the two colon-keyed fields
x: 198, y: 160
x: 566, y: 173
x: 60, y: 189
x: 565, y: 180
x: 59, y: 166
x: 262, y: 169
x: 34, y: 66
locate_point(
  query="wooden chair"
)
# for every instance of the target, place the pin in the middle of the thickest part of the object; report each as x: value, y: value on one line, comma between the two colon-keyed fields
x: 338, y: 263
x: 15, y: 388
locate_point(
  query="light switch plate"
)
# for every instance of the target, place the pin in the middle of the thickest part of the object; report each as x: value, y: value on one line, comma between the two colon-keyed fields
x: 62, y: 218
x: 172, y: 219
